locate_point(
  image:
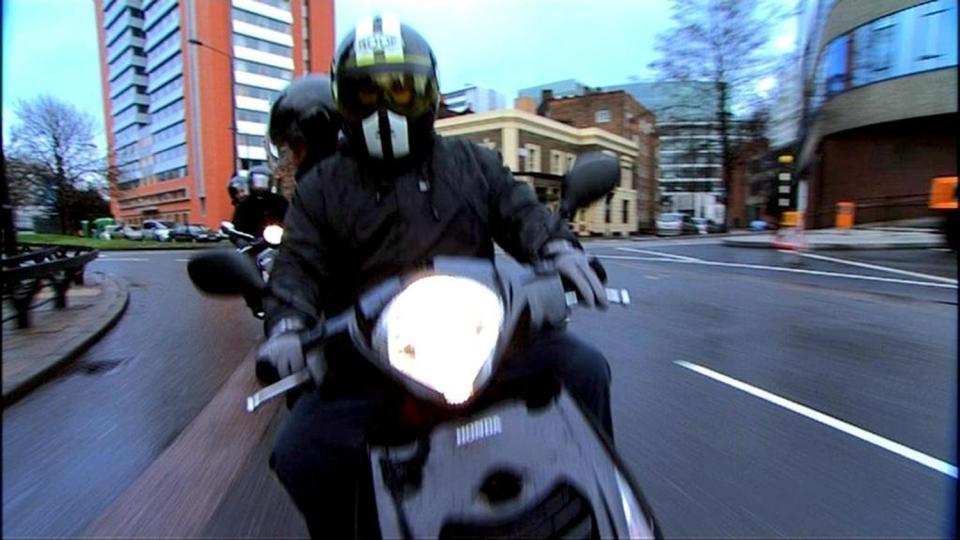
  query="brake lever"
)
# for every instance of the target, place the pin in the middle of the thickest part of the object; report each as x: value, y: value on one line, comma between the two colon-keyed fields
x: 276, y: 389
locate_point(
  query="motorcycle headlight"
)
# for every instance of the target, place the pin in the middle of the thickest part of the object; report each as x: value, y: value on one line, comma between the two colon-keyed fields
x: 273, y: 234
x: 441, y: 331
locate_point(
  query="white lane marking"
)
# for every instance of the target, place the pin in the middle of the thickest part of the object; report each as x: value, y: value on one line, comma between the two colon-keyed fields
x: 633, y: 258
x: 659, y: 254
x: 182, y: 260
x: 849, y: 429
x: 801, y: 271
x: 874, y: 267
x: 121, y: 259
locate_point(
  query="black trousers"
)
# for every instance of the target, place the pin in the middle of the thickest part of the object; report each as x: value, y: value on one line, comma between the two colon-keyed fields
x: 320, y: 452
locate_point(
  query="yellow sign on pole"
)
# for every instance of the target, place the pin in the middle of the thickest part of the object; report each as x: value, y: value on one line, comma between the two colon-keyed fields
x: 791, y: 219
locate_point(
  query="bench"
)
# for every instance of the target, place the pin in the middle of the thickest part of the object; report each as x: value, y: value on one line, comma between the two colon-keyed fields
x: 25, y: 274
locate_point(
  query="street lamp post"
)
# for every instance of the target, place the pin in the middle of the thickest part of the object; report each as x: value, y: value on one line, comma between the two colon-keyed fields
x: 233, y: 101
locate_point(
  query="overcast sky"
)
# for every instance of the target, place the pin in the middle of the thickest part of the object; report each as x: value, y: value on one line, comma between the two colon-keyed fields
x: 50, y: 46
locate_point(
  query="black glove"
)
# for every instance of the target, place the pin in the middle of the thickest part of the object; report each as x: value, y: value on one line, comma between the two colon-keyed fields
x: 573, y: 264
x: 281, y: 355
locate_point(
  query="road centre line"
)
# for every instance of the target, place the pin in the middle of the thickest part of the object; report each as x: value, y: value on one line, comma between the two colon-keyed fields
x: 873, y: 267
x: 794, y: 271
x: 850, y: 429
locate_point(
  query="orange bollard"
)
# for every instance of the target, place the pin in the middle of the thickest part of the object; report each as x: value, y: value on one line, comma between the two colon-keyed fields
x: 845, y: 215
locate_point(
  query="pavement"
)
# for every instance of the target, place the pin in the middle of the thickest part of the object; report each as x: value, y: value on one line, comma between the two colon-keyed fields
x: 755, y: 394
x: 31, y: 355
x: 849, y: 239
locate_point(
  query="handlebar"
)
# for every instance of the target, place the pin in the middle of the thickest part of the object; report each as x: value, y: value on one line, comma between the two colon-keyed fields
x: 316, y: 336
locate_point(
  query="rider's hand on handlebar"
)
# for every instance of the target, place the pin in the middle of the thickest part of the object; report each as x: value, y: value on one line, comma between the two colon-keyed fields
x: 281, y: 355
x: 574, y: 265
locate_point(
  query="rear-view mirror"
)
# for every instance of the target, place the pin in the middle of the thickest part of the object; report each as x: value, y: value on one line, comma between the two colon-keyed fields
x: 225, y: 272
x: 593, y: 176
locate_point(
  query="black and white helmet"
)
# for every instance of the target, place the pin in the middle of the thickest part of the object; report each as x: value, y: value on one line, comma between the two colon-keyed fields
x: 385, y: 85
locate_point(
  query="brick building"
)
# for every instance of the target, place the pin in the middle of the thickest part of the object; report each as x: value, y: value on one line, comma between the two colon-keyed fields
x: 187, y: 87
x: 619, y: 113
x: 880, y: 106
x: 540, y: 151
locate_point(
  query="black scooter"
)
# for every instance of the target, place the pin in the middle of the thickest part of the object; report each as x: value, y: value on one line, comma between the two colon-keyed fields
x: 262, y: 251
x: 527, y: 465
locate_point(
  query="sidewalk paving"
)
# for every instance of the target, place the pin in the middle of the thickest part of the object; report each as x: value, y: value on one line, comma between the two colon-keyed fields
x: 837, y: 239
x: 55, y: 337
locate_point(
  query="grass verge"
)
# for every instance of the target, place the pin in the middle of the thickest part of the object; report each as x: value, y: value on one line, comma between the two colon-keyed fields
x: 110, y: 245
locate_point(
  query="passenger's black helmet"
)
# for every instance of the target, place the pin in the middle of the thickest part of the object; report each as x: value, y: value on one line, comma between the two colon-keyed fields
x: 305, y: 114
x: 385, y: 85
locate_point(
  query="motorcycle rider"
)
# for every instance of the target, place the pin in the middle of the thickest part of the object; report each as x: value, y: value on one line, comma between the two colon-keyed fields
x: 396, y: 195
x: 262, y: 207
x: 237, y: 188
x: 304, y: 128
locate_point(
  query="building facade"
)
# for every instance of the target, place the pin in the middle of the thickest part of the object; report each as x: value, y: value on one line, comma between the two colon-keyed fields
x: 879, y: 106
x: 689, y: 160
x: 475, y: 99
x: 540, y: 151
x: 187, y: 88
x: 619, y: 113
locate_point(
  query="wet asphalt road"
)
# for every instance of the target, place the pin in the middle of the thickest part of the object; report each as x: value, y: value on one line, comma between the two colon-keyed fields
x: 876, y: 351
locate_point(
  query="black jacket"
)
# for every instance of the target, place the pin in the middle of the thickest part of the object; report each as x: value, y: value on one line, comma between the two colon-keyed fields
x: 257, y: 211
x: 351, y: 226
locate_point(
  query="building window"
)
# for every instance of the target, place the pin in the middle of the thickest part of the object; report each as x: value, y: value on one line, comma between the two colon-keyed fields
x: 602, y: 116
x: 571, y: 159
x: 261, y: 45
x: 260, y: 117
x: 262, y: 69
x: 255, y: 92
x: 244, y: 139
x: 533, y: 159
x: 929, y: 31
x: 607, y: 210
x: 556, y: 162
x: 836, y: 66
x: 260, y: 20
x: 626, y: 211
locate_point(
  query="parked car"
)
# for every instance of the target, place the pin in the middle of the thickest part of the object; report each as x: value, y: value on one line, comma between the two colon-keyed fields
x: 157, y: 230
x: 194, y: 233
x: 110, y: 232
x: 706, y: 226
x: 759, y: 225
x: 132, y: 233
x: 128, y: 232
x: 675, y: 224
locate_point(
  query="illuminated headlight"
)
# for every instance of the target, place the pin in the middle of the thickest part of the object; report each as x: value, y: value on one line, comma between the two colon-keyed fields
x: 441, y: 331
x: 637, y: 526
x: 273, y: 234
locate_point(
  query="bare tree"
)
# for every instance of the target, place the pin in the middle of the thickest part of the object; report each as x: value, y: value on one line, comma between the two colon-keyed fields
x: 55, y: 140
x: 720, y: 42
